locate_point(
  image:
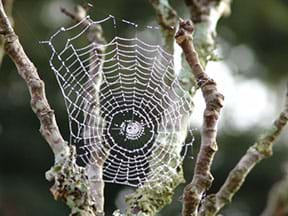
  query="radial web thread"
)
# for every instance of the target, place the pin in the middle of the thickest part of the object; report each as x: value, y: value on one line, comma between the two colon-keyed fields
x: 125, y: 105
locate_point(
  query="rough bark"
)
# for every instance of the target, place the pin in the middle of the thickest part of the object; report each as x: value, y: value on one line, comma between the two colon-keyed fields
x: 205, y: 15
x: 204, y: 45
x: 82, y: 189
x: 70, y: 181
x: 148, y: 201
x: 28, y: 72
x: 8, y: 7
x: 202, y: 178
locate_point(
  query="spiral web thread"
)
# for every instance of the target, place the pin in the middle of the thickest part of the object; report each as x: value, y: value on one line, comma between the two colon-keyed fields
x: 132, y: 112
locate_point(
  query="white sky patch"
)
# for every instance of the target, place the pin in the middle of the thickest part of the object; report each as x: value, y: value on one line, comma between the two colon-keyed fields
x: 253, y: 104
x: 243, y: 57
x: 177, y: 56
x: 248, y: 103
x: 51, y: 14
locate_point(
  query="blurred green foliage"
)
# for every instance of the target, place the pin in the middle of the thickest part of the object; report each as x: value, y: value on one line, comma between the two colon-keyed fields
x: 25, y: 156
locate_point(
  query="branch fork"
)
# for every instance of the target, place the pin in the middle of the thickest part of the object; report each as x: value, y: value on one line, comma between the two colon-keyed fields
x: 202, y: 178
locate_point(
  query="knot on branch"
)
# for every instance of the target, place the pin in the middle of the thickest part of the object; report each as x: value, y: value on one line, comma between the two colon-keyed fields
x: 35, y: 84
x: 185, y: 31
x: 38, y: 103
x: 214, y: 102
x: 283, y: 119
x: 9, y: 41
x: 10, y: 37
x: 47, y: 117
x: 203, y: 180
x: 263, y: 147
x: 213, y: 98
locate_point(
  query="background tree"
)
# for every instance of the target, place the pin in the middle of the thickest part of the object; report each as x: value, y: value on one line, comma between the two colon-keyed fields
x: 11, y: 86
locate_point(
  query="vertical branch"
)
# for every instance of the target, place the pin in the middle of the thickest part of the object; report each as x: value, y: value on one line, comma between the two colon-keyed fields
x: 151, y: 198
x: 94, y: 35
x: 95, y: 170
x: 28, y: 71
x: 167, y: 19
x: 259, y: 151
x: 8, y: 7
x: 70, y: 180
x: 205, y: 14
x: 202, y: 178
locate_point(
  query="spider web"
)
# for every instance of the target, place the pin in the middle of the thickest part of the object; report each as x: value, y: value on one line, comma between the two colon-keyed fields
x: 124, y: 103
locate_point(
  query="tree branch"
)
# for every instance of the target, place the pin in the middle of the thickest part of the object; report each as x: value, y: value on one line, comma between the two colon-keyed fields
x: 200, y: 10
x: 205, y: 14
x: 71, y: 184
x: 202, y: 178
x: 151, y: 198
x: 259, y: 151
x: 167, y: 19
x: 28, y: 72
x: 94, y: 35
x: 8, y: 6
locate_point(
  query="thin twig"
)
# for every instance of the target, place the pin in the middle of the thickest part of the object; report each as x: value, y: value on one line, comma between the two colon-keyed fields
x: 94, y: 35
x: 259, y: 151
x: 202, y: 178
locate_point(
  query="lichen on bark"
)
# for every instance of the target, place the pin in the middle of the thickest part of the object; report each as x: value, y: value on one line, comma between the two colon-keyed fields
x: 72, y: 186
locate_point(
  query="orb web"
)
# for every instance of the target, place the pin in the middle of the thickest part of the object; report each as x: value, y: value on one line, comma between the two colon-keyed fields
x: 132, y: 113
